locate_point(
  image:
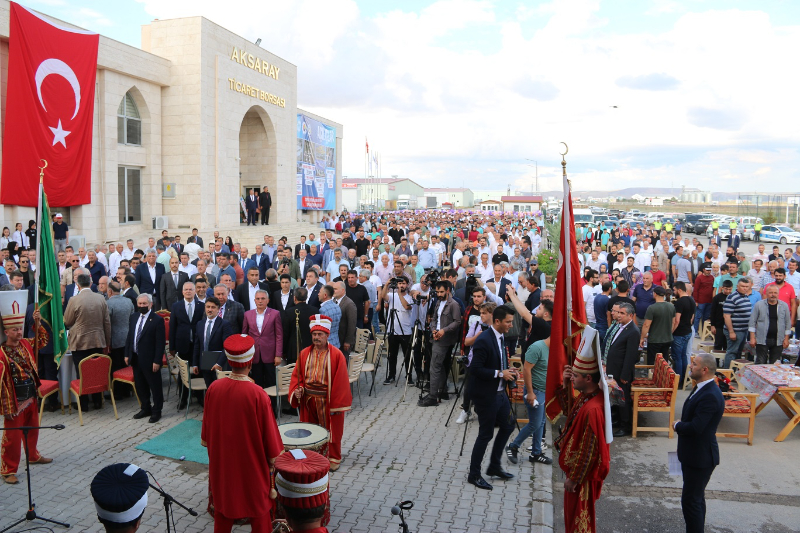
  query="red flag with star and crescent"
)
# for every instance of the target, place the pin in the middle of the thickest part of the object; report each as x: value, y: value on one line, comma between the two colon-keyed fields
x: 49, y: 111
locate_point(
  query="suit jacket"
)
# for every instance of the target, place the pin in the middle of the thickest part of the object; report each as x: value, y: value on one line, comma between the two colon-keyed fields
x: 299, y: 314
x: 246, y: 264
x: 220, y: 331
x: 299, y: 247
x: 269, y: 339
x: 69, y: 291
x: 234, y: 315
x: 313, y: 299
x: 451, y: 321
x: 242, y: 293
x: 734, y: 241
x: 348, y: 323
x: 307, y: 264
x: 197, y: 240
x: 623, y: 354
x: 87, y: 318
x: 168, y: 291
x: 120, y: 310
x: 500, y: 289
x: 178, y: 247
x: 276, y: 303
x: 697, y: 440
x: 152, y: 341
x: 182, y: 326
x: 251, y: 205
x: 145, y: 282
x: 715, y: 240
x: 265, y: 200
x: 131, y: 295
x: 485, y: 363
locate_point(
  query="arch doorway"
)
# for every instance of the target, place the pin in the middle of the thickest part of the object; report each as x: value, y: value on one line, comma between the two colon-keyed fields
x: 258, y: 161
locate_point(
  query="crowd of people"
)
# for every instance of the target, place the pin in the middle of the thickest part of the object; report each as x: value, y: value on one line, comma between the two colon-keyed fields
x: 442, y: 285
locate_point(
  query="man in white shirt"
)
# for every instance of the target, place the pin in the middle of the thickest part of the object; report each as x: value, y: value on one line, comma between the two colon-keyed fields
x: 127, y: 253
x: 761, y: 255
x: 485, y: 268
x: 589, y: 292
x: 115, y: 257
x: 186, y: 266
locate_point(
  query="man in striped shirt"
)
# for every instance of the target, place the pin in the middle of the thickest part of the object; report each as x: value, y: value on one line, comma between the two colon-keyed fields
x: 736, y: 313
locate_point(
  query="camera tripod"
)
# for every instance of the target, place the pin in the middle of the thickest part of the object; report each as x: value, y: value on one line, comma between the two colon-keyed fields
x: 31, y: 515
x: 417, y: 332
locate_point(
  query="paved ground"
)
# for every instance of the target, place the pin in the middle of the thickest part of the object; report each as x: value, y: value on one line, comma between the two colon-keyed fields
x: 392, y: 451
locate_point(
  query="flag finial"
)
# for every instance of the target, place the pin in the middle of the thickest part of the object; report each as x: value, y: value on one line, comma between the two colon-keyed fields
x: 41, y: 170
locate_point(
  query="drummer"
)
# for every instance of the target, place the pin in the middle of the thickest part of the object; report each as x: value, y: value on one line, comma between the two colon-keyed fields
x: 237, y: 410
x: 301, y: 481
x: 321, y: 388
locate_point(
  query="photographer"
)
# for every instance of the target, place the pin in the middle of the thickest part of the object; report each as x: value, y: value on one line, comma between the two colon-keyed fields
x: 445, y: 323
x: 477, y: 321
x: 395, y: 297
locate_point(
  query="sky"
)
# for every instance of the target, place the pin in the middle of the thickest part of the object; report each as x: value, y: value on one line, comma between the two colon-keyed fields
x: 669, y: 93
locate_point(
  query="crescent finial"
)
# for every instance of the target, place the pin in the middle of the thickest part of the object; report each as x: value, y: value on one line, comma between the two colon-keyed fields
x: 566, y: 149
x: 45, y: 164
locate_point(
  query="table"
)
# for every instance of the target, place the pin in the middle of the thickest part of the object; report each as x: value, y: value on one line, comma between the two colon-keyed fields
x: 775, y: 382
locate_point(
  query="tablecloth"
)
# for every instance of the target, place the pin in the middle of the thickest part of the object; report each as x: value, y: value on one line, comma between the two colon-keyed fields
x: 765, y: 380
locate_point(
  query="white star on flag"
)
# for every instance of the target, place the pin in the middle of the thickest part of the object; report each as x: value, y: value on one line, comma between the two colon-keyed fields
x: 59, y: 134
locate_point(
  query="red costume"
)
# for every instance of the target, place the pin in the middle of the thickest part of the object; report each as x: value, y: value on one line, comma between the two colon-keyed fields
x: 17, y: 362
x: 242, y: 437
x: 584, y: 458
x: 326, y: 395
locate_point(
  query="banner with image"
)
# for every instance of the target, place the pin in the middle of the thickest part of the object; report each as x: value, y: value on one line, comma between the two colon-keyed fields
x: 316, y: 165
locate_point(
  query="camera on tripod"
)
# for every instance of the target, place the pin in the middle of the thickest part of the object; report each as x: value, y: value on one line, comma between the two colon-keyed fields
x: 393, y: 283
x: 432, y: 276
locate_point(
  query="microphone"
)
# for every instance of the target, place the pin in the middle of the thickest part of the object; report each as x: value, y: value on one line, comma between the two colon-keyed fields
x: 396, y: 510
x: 59, y: 427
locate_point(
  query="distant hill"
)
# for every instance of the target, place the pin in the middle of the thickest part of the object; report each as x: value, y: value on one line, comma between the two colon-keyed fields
x: 644, y: 191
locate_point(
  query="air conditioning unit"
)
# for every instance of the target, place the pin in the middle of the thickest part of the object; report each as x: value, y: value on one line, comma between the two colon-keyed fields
x: 160, y: 222
x: 77, y: 241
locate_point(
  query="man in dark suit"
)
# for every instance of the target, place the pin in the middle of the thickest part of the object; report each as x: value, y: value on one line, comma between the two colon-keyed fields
x: 621, y: 358
x: 296, y: 325
x: 148, y: 277
x: 488, y: 373
x: 245, y: 293
x: 265, y: 201
x: 251, y: 205
x: 176, y: 245
x: 144, y: 351
x: 171, y: 285
x: 210, y: 334
x: 127, y: 288
x: 195, y: 238
x: 734, y: 240
x: 313, y: 287
x: 698, y: 451
x: 230, y: 310
x: 283, y: 298
x: 72, y: 289
x: 301, y: 246
x: 183, y: 319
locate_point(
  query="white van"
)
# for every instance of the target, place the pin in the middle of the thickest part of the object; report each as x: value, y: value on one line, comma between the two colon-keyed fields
x: 583, y: 215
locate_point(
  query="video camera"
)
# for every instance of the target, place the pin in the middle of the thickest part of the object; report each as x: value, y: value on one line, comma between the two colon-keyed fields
x: 394, y: 281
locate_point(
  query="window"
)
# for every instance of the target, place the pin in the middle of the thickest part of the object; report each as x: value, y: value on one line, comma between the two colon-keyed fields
x: 130, y: 195
x: 129, y: 123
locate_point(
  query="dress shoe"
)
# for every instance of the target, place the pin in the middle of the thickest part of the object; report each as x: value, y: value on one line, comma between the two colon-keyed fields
x: 42, y: 460
x: 155, y: 417
x: 622, y: 432
x: 428, y: 401
x: 479, y: 482
x: 11, y: 479
x: 141, y: 414
x: 499, y: 472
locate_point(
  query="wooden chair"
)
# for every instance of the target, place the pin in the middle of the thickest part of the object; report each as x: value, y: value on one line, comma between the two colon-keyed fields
x: 372, y: 362
x: 283, y: 379
x: 171, y: 364
x: 125, y: 375
x: 705, y: 346
x: 47, y: 388
x: 223, y: 373
x: 660, y: 397
x: 192, y: 384
x: 95, y: 372
x: 739, y: 405
x: 362, y: 338
x: 705, y: 331
x: 738, y: 365
x: 354, y: 371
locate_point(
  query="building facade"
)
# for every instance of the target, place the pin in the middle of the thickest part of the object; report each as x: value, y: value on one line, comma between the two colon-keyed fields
x: 182, y: 128
x: 521, y: 204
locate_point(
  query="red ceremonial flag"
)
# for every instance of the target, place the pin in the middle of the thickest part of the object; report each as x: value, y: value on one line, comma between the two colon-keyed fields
x: 367, y: 143
x: 569, y: 313
x: 49, y: 111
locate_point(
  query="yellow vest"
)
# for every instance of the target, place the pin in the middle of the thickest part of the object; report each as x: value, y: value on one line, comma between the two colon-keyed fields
x: 757, y: 226
x: 714, y: 225
x: 657, y: 225
x: 733, y: 225
x: 668, y: 227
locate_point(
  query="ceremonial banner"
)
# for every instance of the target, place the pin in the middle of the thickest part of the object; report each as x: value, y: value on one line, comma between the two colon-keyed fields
x: 569, y: 313
x: 49, y: 296
x: 49, y: 111
x: 316, y: 164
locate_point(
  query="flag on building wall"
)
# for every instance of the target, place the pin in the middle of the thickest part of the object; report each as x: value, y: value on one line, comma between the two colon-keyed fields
x: 49, y: 111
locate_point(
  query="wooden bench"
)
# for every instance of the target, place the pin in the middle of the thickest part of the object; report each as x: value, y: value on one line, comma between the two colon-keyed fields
x: 739, y: 405
x: 657, y: 393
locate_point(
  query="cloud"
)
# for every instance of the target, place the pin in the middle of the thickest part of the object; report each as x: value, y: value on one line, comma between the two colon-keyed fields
x: 720, y: 119
x: 649, y: 82
x: 536, y: 89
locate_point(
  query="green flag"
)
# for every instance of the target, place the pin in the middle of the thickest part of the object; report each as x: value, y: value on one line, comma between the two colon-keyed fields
x: 49, y: 282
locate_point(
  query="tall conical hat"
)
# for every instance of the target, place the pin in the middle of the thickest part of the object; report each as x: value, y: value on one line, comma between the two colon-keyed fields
x: 12, y: 308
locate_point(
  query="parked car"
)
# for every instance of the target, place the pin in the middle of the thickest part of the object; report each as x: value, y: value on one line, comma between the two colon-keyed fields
x: 747, y: 232
x: 724, y: 232
x: 702, y: 225
x: 781, y: 234
x: 690, y: 220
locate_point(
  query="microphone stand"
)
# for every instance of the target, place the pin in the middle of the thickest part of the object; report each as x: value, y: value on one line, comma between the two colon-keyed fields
x: 31, y: 515
x: 168, y: 501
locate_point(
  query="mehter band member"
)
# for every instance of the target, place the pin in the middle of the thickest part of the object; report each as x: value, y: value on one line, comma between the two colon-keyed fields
x: 301, y: 480
x: 120, y: 497
x: 321, y: 388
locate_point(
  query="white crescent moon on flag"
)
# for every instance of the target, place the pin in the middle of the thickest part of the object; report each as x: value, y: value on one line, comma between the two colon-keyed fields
x: 56, y: 66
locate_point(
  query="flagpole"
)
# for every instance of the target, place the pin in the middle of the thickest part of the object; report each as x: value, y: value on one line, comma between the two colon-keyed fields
x: 37, y: 321
x: 568, y: 249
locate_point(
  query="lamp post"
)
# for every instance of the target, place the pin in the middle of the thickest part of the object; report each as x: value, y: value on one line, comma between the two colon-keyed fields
x: 536, y: 167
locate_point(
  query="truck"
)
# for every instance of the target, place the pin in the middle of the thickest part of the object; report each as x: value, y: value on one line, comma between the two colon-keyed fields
x: 431, y: 202
x: 406, y: 201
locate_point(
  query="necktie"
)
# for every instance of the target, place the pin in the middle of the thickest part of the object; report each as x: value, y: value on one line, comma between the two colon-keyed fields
x: 221, y: 311
x: 138, y: 334
x: 189, y: 314
x: 175, y: 277
x: 208, y: 334
x: 502, y: 353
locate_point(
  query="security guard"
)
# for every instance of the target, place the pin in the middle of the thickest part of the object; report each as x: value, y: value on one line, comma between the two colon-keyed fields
x: 757, y: 229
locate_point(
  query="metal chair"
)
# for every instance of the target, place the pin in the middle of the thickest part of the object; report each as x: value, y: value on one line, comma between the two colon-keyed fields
x: 362, y: 338
x: 354, y: 371
x: 371, y: 362
x: 192, y: 384
x: 283, y: 378
x: 223, y: 373
x: 95, y: 372
x: 125, y: 375
x: 46, y: 389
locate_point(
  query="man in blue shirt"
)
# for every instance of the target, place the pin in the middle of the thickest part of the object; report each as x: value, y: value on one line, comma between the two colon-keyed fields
x: 426, y: 256
x: 224, y: 263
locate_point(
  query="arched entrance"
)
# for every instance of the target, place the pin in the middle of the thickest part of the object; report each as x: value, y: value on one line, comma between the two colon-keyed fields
x: 258, y: 162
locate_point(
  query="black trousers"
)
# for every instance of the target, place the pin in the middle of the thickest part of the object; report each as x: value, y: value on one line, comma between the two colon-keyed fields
x: 720, y: 340
x: 49, y: 370
x: 77, y: 357
x: 654, y: 348
x: 264, y: 376
x: 148, y: 383
x: 626, y: 409
x: 693, y: 497
x: 496, y: 410
x: 252, y: 217
x: 395, y: 343
x: 265, y: 215
x: 766, y: 354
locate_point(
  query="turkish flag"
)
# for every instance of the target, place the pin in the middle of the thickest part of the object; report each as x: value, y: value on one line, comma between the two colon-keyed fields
x: 49, y: 111
x: 569, y: 312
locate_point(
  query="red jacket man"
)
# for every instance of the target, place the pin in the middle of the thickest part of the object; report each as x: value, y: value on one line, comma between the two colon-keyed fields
x: 265, y: 327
